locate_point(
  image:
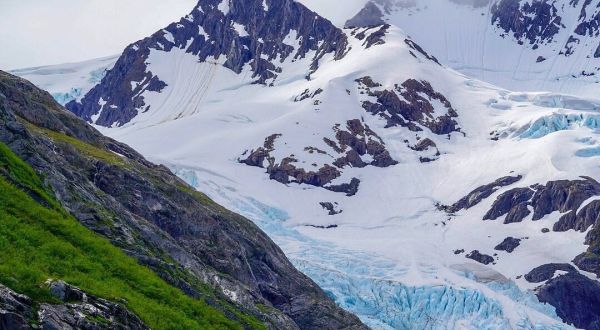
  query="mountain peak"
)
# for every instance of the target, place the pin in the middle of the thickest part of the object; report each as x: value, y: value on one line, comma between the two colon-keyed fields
x: 259, y: 36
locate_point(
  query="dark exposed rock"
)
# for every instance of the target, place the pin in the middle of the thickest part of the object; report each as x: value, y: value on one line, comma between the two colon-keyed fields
x: 372, y: 36
x: 352, y: 143
x: 323, y: 227
x: 257, y: 157
x: 581, y: 221
x: 370, y: 15
x: 83, y: 311
x: 509, y: 244
x: 424, y: 144
x: 461, y: 251
x: 157, y: 218
x: 508, y: 201
x: 481, y: 193
x: 409, y: 105
x: 576, y: 299
x: 286, y: 172
x: 589, y: 262
x: 16, y: 310
x: 479, y: 257
x: 350, y: 189
x: 532, y: 21
x: 360, y: 140
x: 368, y: 82
x: 540, y: 59
x: 517, y: 214
x: 589, y: 24
x: 78, y: 310
x: 413, y: 45
x: 307, y: 95
x: 564, y: 196
x: 545, y: 272
x: 261, y: 48
x: 330, y: 207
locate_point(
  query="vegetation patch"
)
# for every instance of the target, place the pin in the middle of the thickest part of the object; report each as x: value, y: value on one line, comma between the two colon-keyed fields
x: 39, y: 242
x: 85, y: 148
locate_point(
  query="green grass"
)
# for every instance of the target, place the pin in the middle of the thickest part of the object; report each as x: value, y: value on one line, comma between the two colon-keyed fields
x: 18, y: 172
x: 85, y: 148
x: 39, y: 242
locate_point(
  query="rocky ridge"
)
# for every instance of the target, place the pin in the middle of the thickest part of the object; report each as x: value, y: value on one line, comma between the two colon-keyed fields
x: 259, y: 34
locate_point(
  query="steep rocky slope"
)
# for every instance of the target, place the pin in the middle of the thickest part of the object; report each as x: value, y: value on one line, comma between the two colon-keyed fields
x: 188, y: 240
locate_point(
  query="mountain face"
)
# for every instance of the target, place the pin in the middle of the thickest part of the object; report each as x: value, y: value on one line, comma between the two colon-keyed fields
x: 549, y: 45
x: 185, y: 238
x: 415, y: 196
x: 261, y: 35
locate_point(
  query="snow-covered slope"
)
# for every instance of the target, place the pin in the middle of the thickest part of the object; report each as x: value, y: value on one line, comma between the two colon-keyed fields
x: 549, y: 45
x: 418, y: 197
x: 71, y: 81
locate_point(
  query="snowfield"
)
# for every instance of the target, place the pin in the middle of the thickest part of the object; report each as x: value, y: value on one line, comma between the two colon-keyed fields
x: 461, y: 36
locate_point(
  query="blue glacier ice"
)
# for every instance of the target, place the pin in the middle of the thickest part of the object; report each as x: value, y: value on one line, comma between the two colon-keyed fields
x: 64, y: 98
x: 552, y: 100
x: 363, y: 283
x: 558, y: 122
x: 97, y: 75
x: 77, y: 92
x: 588, y: 152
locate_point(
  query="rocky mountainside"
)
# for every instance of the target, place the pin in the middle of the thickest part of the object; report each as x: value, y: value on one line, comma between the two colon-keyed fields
x: 415, y: 196
x: 188, y: 240
x: 533, y: 45
x: 259, y: 34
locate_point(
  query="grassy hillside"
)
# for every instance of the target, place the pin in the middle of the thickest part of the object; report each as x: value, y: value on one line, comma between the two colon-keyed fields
x: 40, y: 240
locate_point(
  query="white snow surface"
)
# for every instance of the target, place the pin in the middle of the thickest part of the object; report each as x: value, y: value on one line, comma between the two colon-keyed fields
x: 70, y: 81
x: 461, y: 36
x: 390, y: 259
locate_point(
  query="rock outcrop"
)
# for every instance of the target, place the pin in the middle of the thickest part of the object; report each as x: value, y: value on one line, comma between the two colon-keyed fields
x: 349, y: 147
x: 576, y: 299
x: 509, y: 244
x: 481, y: 193
x: 533, y: 22
x: 410, y: 105
x: 480, y: 257
x: 77, y: 310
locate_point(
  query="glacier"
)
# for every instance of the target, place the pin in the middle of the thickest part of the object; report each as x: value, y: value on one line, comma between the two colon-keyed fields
x: 69, y: 81
x: 371, y: 287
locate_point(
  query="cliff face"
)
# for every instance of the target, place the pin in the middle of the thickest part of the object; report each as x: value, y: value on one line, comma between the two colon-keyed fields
x: 184, y: 237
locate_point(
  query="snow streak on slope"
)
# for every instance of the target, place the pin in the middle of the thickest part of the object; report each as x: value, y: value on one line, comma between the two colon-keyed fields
x: 521, y: 45
x: 389, y: 256
x: 68, y: 82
